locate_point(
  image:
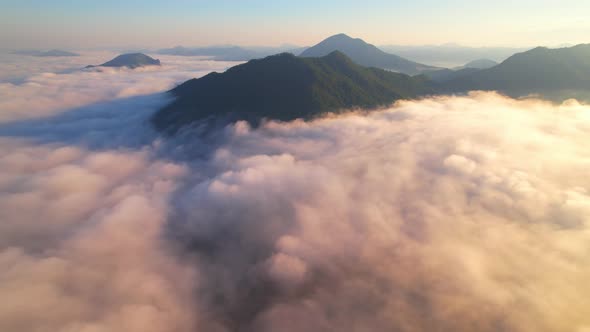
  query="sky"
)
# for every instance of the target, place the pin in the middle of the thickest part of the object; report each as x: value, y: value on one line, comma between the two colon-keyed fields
x: 156, y: 23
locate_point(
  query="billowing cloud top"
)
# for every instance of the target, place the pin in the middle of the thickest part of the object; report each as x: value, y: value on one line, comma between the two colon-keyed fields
x: 447, y: 214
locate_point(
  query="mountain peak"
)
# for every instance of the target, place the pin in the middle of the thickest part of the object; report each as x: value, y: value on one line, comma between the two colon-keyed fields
x: 285, y: 87
x: 131, y: 60
x: 539, y: 49
x: 365, y: 54
x: 480, y: 64
x: 341, y: 36
x: 341, y: 41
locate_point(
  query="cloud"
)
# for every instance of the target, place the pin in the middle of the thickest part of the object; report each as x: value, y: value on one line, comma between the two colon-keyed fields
x: 50, y: 86
x: 81, y: 243
x: 80, y: 246
x: 449, y: 214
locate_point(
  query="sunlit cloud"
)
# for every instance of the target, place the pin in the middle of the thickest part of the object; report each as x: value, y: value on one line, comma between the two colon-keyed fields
x: 448, y: 213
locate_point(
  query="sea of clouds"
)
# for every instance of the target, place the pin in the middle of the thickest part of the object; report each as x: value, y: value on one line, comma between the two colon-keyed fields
x: 444, y: 214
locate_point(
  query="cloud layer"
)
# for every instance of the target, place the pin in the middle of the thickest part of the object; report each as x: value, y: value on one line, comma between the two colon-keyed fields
x: 33, y: 87
x: 447, y: 214
x: 80, y: 243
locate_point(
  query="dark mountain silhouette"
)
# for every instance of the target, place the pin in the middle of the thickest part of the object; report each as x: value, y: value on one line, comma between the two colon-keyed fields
x: 286, y: 87
x: 131, y: 60
x: 553, y: 73
x: 366, y: 55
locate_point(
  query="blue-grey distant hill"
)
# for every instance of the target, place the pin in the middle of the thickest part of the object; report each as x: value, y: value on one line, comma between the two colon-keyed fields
x: 50, y: 53
x: 444, y: 75
x: 366, y: 55
x: 131, y: 60
x: 451, y: 55
x: 231, y: 53
x: 221, y: 53
x: 553, y: 73
x: 479, y: 64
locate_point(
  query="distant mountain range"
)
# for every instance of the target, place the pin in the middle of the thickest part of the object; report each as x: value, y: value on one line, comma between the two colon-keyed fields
x: 131, y: 60
x: 358, y: 50
x: 366, y: 55
x: 406, y: 59
x: 479, y: 64
x: 451, y: 55
x: 444, y: 75
x: 553, y: 73
x: 286, y: 87
x: 231, y: 53
x: 50, y: 53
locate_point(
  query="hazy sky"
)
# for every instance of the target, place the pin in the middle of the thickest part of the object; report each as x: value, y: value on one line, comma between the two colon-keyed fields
x: 157, y: 23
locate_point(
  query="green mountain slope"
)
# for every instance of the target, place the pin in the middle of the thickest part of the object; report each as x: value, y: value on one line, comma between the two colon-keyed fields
x: 365, y: 54
x: 286, y: 87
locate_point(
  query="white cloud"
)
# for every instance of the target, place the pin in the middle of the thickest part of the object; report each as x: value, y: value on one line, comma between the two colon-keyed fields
x: 80, y: 245
x: 50, y: 86
x: 449, y: 214
x: 420, y: 217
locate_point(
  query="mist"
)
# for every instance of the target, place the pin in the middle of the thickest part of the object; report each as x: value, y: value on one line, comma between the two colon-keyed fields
x: 449, y: 214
